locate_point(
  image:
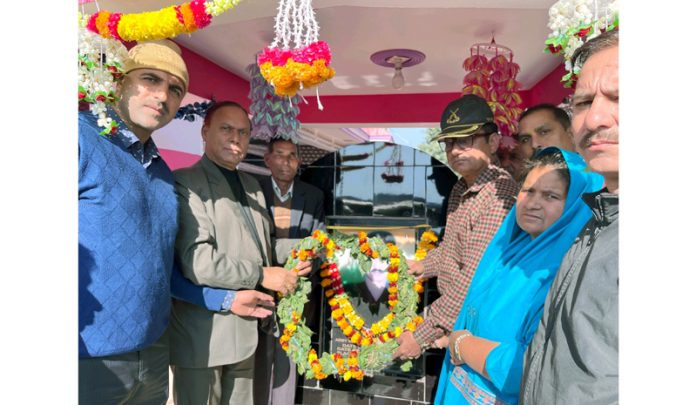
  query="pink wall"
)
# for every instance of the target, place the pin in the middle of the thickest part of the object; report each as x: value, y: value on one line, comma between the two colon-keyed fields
x: 208, y: 80
x: 547, y: 90
x: 376, y: 108
x: 176, y: 159
x: 389, y: 108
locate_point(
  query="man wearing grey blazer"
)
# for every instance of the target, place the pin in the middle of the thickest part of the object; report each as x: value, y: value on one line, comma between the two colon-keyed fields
x: 224, y: 241
x: 296, y: 209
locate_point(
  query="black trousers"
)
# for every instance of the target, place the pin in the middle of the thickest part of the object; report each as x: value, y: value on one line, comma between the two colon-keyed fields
x: 140, y: 377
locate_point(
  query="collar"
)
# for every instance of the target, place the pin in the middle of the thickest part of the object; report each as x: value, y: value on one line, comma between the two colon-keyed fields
x: 604, y: 205
x: 277, y: 191
x: 488, y: 175
x: 127, y: 140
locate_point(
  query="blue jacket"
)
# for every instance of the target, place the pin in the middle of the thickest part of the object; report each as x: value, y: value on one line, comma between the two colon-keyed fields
x: 127, y: 213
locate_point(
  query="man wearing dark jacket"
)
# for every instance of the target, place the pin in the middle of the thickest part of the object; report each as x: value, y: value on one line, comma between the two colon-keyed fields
x: 296, y: 209
x: 573, y: 358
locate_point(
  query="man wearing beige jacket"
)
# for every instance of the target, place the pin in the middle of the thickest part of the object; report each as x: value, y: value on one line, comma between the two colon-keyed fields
x: 224, y: 242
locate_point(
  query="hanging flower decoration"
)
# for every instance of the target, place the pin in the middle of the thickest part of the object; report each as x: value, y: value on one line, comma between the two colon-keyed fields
x: 100, y: 66
x: 272, y: 116
x: 296, y: 59
x: 152, y: 25
x: 494, y: 78
x: 374, y: 344
x: 574, y: 22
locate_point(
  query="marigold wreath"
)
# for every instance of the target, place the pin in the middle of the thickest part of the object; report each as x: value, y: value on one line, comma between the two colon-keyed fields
x: 374, y: 344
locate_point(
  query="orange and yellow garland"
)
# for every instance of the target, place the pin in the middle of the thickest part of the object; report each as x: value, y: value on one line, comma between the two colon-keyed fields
x: 297, y: 344
x: 291, y: 70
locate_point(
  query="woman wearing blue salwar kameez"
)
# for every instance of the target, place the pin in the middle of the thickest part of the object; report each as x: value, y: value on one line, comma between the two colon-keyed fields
x: 505, y: 301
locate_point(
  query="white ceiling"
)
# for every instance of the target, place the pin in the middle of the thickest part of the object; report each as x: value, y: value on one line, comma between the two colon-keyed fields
x: 354, y: 29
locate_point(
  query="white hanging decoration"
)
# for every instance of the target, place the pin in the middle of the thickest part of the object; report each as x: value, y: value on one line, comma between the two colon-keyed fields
x: 100, y: 66
x: 296, y: 59
x: 574, y: 22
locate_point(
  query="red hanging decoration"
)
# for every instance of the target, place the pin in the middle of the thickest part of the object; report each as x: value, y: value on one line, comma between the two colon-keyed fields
x: 491, y: 75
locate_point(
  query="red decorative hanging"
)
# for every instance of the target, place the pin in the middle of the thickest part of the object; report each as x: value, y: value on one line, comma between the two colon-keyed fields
x: 491, y: 74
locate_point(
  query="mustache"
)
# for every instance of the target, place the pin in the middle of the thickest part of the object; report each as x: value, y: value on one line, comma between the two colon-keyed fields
x: 162, y: 106
x: 604, y: 134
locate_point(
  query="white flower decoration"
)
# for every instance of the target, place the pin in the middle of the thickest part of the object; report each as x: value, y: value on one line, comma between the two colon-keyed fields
x: 100, y: 62
x: 567, y: 16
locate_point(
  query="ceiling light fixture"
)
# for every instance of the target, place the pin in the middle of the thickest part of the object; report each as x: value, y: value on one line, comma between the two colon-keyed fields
x: 398, y: 78
x: 398, y: 59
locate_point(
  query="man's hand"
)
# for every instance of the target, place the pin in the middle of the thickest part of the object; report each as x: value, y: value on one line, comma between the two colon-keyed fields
x: 303, y: 268
x: 415, y: 268
x: 279, y: 279
x: 408, y: 347
x: 252, y: 303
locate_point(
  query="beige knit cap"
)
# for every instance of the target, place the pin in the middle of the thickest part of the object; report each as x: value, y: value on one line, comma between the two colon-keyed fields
x: 162, y: 55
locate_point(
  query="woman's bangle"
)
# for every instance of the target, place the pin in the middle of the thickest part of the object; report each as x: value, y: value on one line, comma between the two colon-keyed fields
x: 459, y: 339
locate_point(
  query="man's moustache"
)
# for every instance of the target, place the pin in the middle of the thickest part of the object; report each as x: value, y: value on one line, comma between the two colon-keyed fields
x: 597, y: 135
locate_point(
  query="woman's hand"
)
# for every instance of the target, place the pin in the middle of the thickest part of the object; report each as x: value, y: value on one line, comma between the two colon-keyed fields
x: 456, y: 353
x: 442, y: 343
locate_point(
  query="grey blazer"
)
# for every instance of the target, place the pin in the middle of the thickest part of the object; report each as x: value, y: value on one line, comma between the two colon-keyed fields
x: 215, y: 248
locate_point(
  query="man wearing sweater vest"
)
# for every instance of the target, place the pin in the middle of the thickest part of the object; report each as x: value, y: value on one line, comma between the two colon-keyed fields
x: 297, y: 209
x: 127, y: 214
x: 224, y: 241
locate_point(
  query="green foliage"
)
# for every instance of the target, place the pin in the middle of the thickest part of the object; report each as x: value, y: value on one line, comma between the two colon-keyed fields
x: 376, y: 357
x: 371, y: 358
x: 433, y: 148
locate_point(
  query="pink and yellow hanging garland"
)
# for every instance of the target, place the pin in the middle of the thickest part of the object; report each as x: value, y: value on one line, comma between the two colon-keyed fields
x: 290, y: 70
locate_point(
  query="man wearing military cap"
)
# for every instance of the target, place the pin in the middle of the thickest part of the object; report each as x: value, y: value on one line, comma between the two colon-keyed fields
x: 478, y: 203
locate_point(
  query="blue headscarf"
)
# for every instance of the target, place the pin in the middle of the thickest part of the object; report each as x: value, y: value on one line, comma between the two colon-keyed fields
x: 506, y: 298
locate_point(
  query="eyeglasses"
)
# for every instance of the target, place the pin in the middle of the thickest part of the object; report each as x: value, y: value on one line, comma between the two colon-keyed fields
x: 465, y: 142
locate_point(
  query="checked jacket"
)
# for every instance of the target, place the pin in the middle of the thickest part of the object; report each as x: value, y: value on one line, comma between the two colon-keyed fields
x: 473, y: 217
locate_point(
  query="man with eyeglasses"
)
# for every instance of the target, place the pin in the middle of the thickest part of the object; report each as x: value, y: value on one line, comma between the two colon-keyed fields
x: 479, y: 202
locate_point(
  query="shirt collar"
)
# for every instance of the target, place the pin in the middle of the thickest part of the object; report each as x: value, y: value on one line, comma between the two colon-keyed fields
x: 127, y: 140
x: 276, y: 190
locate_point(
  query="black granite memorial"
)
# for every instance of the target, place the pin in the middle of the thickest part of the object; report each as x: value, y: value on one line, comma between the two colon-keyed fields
x: 357, y: 195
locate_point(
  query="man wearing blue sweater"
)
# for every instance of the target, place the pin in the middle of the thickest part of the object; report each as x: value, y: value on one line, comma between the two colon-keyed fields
x: 127, y: 229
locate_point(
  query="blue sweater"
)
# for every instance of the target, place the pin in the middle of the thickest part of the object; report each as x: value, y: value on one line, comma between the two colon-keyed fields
x: 127, y: 227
